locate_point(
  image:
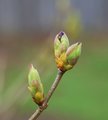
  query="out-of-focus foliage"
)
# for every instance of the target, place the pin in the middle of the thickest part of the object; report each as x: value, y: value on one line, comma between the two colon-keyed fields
x: 73, y: 25
x: 69, y: 18
x: 82, y: 91
x: 27, y: 30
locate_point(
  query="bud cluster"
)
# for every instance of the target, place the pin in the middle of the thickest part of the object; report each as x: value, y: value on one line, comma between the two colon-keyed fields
x: 65, y: 56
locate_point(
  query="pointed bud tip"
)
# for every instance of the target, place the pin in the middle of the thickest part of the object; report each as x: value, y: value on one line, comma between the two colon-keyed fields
x: 33, y: 75
x: 61, y: 33
x: 30, y: 66
x: 79, y: 45
x: 78, y: 49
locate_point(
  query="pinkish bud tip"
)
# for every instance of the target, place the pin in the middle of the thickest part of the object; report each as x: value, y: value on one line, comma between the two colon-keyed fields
x: 30, y: 66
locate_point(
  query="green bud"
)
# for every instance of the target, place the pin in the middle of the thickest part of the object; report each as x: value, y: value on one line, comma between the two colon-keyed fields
x: 61, y: 43
x: 73, y: 53
x: 33, y: 75
x: 35, y: 85
x: 65, y: 56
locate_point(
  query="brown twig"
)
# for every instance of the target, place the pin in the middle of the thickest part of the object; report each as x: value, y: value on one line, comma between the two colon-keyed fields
x: 51, y: 91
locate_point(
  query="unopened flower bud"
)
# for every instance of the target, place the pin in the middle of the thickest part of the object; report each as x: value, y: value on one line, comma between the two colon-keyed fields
x: 61, y: 43
x: 35, y: 86
x: 65, y: 56
x: 73, y: 53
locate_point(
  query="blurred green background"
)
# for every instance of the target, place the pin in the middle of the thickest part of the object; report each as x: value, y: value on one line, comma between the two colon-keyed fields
x: 27, y: 31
